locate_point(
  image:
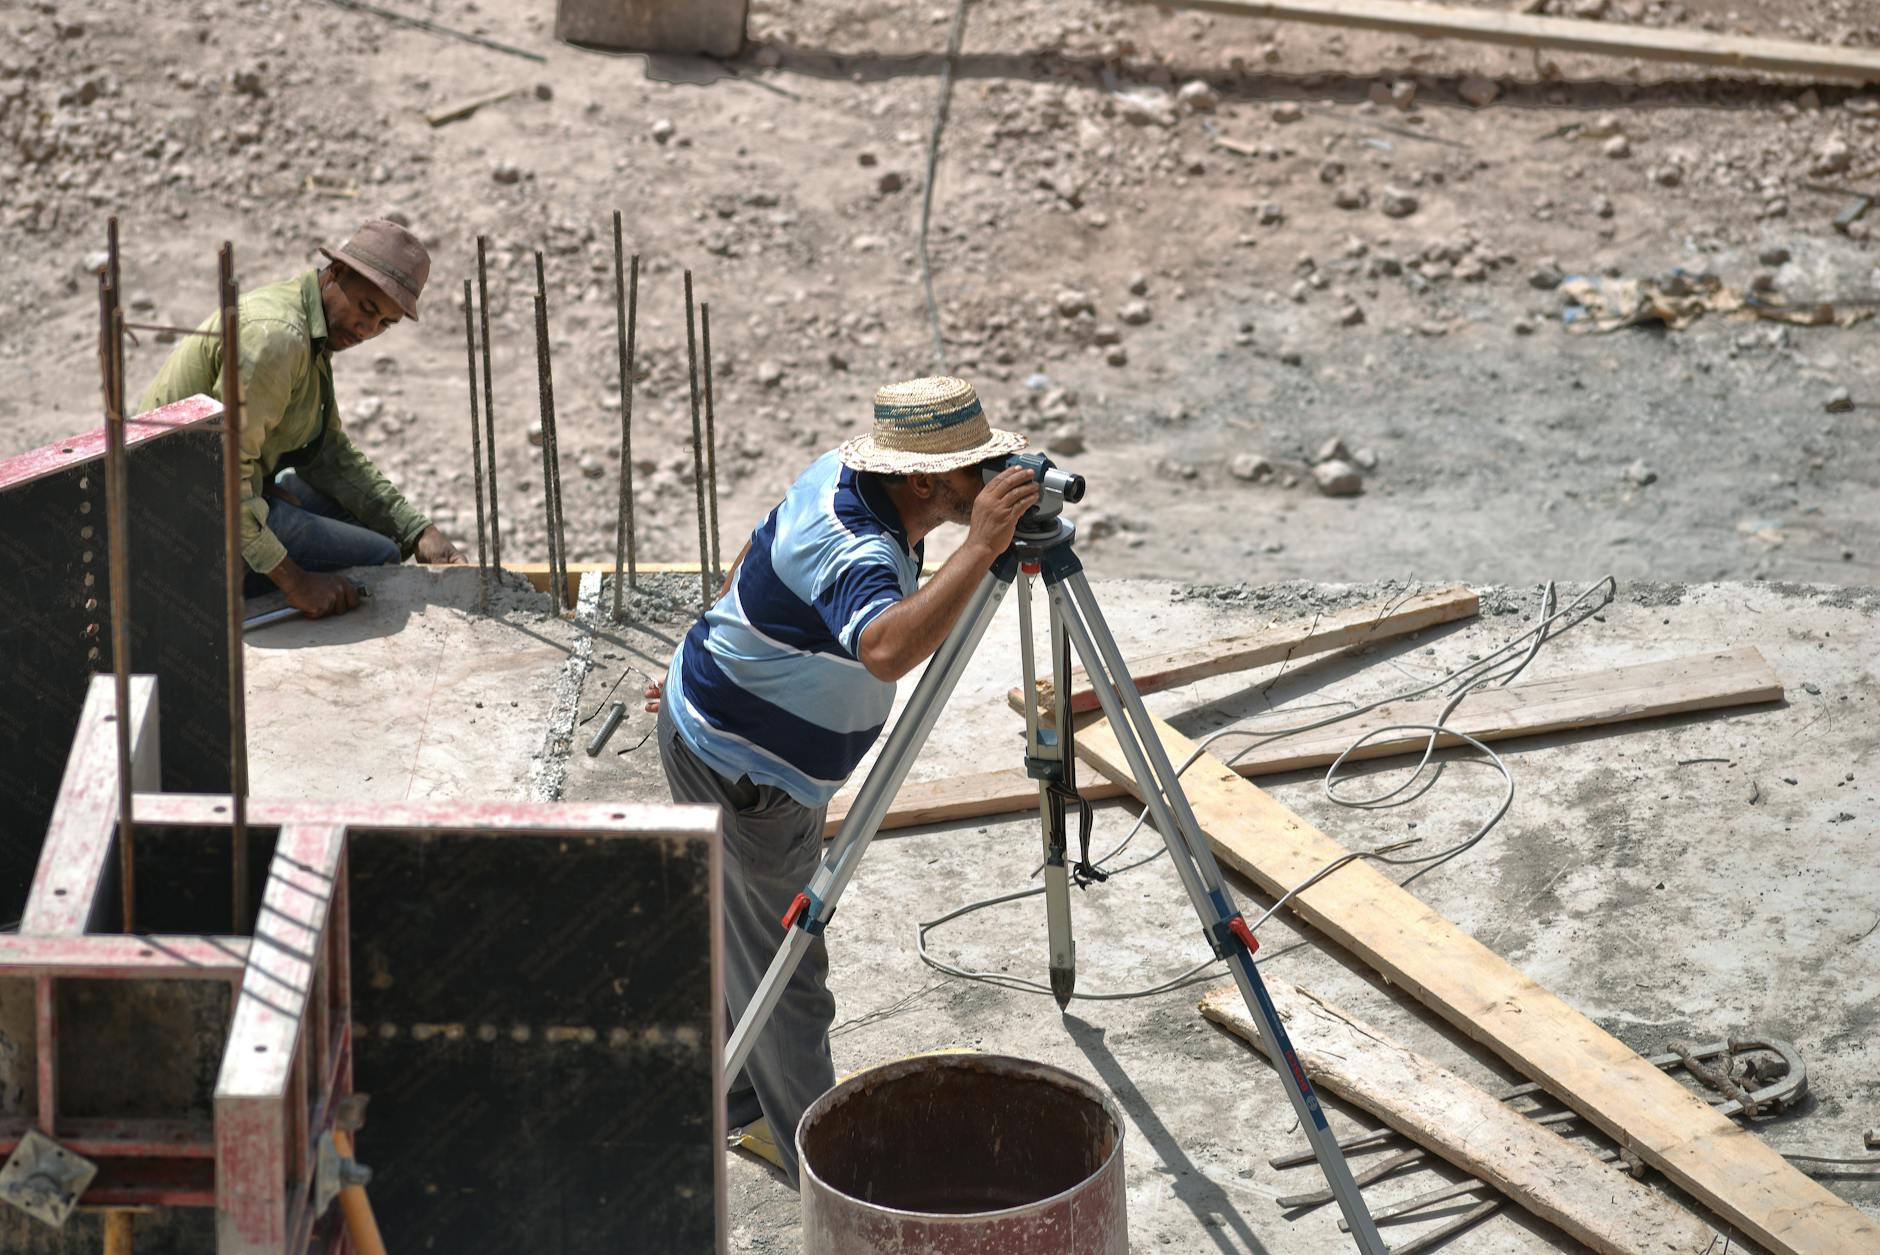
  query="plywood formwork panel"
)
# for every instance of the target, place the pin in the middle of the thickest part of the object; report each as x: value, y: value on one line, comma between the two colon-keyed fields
x: 56, y: 632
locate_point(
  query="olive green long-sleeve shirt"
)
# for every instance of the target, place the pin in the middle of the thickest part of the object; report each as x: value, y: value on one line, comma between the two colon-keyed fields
x: 290, y: 417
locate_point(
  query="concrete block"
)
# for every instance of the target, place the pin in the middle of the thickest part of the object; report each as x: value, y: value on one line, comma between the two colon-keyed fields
x: 713, y: 28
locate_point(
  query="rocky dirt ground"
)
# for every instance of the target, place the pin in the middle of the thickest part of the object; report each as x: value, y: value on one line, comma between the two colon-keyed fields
x: 1186, y: 251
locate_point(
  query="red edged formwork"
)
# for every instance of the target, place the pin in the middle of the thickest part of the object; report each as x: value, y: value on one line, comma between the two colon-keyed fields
x: 204, y: 1075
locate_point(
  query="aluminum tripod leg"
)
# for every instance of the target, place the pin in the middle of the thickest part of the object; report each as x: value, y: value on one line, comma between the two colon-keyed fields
x: 1045, y: 761
x: 1201, y: 875
x: 813, y: 907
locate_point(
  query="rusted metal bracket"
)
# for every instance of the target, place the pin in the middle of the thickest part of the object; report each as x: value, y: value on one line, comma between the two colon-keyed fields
x: 44, y: 1179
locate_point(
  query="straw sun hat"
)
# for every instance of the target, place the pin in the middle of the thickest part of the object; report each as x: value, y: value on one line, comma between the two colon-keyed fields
x: 927, y: 426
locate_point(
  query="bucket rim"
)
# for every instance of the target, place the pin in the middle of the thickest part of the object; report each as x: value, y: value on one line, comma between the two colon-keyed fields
x: 1008, y: 1065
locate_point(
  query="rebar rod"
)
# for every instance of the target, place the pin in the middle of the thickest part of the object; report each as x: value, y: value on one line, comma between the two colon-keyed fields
x: 235, y: 571
x: 476, y: 448
x: 117, y: 544
x: 698, y: 453
x: 711, y: 439
x: 623, y: 335
x: 117, y: 303
x: 555, y: 588
x: 553, y: 440
x: 489, y: 407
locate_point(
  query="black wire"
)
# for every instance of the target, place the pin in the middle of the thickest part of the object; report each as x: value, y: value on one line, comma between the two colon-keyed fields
x: 631, y: 670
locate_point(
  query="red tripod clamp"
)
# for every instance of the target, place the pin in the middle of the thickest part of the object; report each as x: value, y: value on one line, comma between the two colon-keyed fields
x: 795, y: 913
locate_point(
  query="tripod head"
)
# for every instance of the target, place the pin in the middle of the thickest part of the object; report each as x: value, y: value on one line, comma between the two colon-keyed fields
x: 1055, y: 486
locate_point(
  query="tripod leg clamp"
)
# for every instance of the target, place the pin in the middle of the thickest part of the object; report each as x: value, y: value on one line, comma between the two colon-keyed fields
x: 1231, y: 931
x: 806, y: 904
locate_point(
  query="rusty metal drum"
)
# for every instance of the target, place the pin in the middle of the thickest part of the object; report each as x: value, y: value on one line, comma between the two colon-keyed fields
x: 963, y: 1154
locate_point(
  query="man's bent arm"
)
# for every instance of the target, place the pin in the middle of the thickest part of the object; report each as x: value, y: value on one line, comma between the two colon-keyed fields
x: 349, y: 477
x: 907, y: 633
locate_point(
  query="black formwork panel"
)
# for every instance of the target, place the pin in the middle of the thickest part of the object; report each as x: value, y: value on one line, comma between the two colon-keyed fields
x: 55, y: 612
x: 533, y: 1019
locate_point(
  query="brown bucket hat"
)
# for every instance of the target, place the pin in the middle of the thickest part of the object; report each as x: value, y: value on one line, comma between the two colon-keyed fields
x: 391, y: 258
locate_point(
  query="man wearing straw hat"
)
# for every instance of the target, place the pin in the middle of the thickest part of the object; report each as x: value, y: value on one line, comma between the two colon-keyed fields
x: 313, y: 504
x: 778, y: 691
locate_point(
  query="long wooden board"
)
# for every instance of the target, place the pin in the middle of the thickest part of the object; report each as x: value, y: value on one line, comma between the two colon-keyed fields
x: 1521, y: 30
x: 1736, y: 677
x: 1560, y: 1181
x: 1359, y: 625
x: 1727, y: 1169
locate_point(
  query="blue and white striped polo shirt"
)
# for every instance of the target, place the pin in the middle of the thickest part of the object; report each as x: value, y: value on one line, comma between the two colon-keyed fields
x: 767, y: 684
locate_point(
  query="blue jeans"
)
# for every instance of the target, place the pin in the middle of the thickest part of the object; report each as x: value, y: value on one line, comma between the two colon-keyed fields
x: 317, y: 533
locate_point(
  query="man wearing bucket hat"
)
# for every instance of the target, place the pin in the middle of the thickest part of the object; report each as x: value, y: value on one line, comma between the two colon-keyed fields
x: 778, y: 691
x: 313, y: 503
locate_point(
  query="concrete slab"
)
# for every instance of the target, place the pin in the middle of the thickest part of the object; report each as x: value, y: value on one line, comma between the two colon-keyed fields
x: 414, y: 695
x: 1666, y: 895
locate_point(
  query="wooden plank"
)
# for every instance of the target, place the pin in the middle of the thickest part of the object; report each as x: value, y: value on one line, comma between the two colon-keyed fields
x: 1560, y: 1181
x: 1360, y: 625
x: 1647, y: 690
x: 1521, y: 30
x: 116, y: 956
x: 1726, y: 1168
x: 80, y: 848
x: 255, y: 1093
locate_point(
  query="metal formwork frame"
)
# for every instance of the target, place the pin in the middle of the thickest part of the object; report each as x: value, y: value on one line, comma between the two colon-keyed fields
x: 287, y: 1062
x: 144, y: 1162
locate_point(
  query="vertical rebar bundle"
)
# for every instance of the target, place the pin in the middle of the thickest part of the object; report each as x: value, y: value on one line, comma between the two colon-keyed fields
x: 234, y: 569
x: 111, y: 371
x: 711, y: 438
x: 476, y: 448
x: 625, y: 317
x: 489, y: 406
x: 551, y: 458
x: 698, y: 453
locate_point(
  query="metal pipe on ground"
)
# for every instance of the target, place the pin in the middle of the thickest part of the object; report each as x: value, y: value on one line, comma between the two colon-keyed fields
x: 236, y: 569
x: 711, y: 439
x: 489, y: 403
x: 476, y: 449
x: 118, y: 1233
x: 625, y: 319
x: 362, y: 1227
x: 698, y: 453
x: 110, y: 366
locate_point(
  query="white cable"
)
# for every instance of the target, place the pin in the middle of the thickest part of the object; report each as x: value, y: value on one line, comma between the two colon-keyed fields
x: 1491, y: 668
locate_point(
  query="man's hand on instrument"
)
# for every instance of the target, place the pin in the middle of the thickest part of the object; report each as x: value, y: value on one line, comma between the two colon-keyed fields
x: 652, y: 696
x: 999, y: 506
x: 434, y: 548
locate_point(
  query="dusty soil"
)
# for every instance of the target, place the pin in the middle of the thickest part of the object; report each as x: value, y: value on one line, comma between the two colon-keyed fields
x: 1175, y: 298
x: 1202, y: 250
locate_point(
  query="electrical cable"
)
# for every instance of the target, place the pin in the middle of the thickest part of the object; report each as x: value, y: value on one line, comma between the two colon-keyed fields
x: 630, y: 670
x: 1495, y: 667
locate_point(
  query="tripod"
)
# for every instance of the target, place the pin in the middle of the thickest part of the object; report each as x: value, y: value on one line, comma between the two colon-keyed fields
x: 1043, y: 546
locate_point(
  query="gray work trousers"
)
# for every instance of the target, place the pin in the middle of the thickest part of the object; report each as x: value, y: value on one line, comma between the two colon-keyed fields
x: 772, y: 844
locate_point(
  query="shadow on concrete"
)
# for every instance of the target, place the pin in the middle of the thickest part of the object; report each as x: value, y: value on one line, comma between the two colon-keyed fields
x: 1209, y: 1203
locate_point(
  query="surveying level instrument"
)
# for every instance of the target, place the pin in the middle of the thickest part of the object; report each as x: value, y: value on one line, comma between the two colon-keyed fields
x: 1041, y: 546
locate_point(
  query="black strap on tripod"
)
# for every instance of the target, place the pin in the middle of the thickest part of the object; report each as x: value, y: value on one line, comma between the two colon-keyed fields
x: 1083, y: 871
